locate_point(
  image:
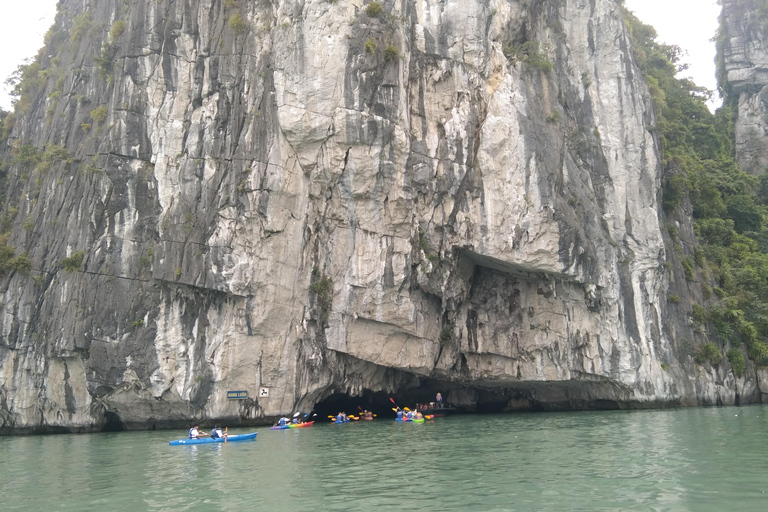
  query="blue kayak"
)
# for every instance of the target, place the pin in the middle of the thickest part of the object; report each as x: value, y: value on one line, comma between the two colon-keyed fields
x: 210, y: 440
x: 342, y: 421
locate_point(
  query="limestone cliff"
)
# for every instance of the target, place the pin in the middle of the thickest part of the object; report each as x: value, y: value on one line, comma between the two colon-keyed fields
x: 743, y: 47
x: 313, y: 197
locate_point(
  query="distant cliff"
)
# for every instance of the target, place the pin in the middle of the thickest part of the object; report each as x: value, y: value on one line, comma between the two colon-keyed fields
x: 320, y: 197
x: 743, y: 47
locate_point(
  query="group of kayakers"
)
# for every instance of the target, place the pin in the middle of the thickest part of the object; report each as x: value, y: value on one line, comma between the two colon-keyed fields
x: 403, y: 414
x: 296, y: 420
x: 408, y: 415
x: 216, y: 433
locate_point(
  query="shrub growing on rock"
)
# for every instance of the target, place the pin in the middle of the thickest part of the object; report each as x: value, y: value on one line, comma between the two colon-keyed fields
x: 373, y: 9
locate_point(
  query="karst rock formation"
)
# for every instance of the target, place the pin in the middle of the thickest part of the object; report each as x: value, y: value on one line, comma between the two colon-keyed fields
x: 314, y: 198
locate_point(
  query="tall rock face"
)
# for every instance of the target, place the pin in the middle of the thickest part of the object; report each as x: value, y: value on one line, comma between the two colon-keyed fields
x: 744, y: 69
x: 308, y: 197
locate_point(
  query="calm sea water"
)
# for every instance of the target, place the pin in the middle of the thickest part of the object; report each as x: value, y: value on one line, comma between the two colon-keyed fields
x: 713, y: 459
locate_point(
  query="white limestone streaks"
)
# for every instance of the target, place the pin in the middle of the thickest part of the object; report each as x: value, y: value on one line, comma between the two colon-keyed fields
x: 744, y: 54
x: 322, y: 201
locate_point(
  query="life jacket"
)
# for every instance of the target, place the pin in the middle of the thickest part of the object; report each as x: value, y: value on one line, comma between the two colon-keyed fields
x: 400, y: 414
x: 216, y: 433
x: 339, y: 418
x: 191, y: 435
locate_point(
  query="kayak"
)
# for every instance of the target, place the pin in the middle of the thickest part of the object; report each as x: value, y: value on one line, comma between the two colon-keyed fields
x: 292, y: 425
x: 210, y: 440
x: 342, y: 421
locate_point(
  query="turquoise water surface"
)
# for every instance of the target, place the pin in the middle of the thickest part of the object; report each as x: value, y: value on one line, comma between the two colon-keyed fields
x: 704, y: 459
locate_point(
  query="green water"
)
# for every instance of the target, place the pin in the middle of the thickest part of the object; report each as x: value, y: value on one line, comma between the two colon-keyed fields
x: 713, y: 459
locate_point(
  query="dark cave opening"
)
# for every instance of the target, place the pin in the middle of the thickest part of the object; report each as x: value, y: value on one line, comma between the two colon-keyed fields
x: 112, y: 423
x: 375, y: 401
x: 458, y: 398
x: 380, y: 403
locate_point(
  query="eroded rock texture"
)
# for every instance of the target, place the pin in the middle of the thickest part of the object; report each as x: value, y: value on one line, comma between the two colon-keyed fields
x: 295, y: 195
x: 744, y: 27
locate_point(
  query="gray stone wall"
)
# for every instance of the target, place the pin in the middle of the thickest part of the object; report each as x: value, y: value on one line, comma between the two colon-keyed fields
x: 294, y: 195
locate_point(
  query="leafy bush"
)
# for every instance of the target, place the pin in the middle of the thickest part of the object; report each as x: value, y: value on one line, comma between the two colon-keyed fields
x: 708, y: 351
x: 20, y: 263
x: 25, y: 155
x: 688, y: 268
x: 370, y: 46
x: 700, y: 313
x: 99, y: 114
x: 117, y: 30
x: 81, y: 24
x: 237, y: 23
x: 373, y: 9
x: 446, y: 335
x: 758, y: 353
x: 322, y: 287
x: 530, y: 54
x: 738, y: 364
x: 52, y: 154
x: 74, y: 262
x: 391, y: 52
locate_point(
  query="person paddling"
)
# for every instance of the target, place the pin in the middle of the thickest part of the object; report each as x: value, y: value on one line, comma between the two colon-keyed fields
x: 216, y: 433
x: 195, y: 432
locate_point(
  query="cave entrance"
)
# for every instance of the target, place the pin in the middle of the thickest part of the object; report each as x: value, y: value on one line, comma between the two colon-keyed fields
x: 380, y: 403
x: 375, y: 401
x: 112, y: 423
x: 489, y: 399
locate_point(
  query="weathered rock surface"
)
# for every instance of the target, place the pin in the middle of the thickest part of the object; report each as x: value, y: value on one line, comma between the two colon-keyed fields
x: 293, y: 195
x: 744, y: 27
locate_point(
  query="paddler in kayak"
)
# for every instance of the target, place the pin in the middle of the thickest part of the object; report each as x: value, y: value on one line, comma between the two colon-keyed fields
x: 216, y: 433
x: 196, y: 433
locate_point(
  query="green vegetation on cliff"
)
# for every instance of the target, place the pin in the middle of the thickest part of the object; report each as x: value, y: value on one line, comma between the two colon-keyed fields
x: 729, y: 206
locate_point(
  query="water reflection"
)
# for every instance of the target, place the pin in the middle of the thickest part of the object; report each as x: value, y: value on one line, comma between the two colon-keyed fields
x: 688, y: 459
